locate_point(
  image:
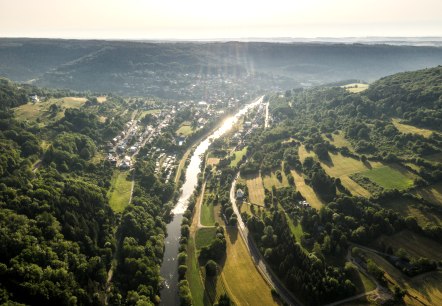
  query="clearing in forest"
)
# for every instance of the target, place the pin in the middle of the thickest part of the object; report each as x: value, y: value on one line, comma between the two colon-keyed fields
x: 306, y: 191
x: 355, y: 87
x: 339, y: 141
x: 353, y: 187
x: 410, y: 129
x: 256, y: 189
x: 339, y: 165
x: 238, y: 156
x: 45, y: 111
x: 120, y: 190
x: 185, y: 129
x: 390, y: 177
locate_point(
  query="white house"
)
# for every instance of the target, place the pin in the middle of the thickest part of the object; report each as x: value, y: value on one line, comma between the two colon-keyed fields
x: 239, y: 194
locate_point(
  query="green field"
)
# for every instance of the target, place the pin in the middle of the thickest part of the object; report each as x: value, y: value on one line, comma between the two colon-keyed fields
x: 207, y: 213
x: 41, y: 110
x: 390, y: 177
x: 256, y: 190
x: 272, y: 180
x: 185, y: 129
x: 339, y: 141
x: 238, y: 157
x: 353, y: 187
x: 204, y: 236
x: 241, y: 279
x: 193, y: 274
x: 307, y: 192
x: 409, y: 129
x: 340, y: 165
x: 120, y: 190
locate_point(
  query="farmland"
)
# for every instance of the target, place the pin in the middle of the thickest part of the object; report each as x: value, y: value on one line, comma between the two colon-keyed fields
x: 340, y: 165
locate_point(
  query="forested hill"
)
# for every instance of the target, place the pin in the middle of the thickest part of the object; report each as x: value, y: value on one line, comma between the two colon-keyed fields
x: 58, y: 233
x: 171, y: 69
x: 414, y: 96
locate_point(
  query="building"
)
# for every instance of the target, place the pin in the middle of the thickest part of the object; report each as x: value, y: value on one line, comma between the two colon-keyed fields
x: 239, y: 194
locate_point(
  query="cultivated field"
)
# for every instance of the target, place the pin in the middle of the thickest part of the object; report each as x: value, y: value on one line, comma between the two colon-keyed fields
x: 256, y: 190
x: 120, y: 190
x: 390, y: 177
x: 306, y: 191
x: 405, y: 128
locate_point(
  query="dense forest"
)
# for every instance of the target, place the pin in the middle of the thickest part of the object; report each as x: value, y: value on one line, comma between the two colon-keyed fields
x: 58, y: 233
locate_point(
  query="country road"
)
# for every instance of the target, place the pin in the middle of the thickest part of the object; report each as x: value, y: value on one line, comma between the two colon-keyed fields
x: 257, y: 258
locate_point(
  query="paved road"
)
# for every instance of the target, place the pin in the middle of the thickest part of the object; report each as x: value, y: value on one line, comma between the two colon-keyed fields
x: 257, y: 258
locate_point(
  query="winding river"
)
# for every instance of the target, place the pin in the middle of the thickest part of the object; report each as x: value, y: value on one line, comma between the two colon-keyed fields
x: 169, y: 267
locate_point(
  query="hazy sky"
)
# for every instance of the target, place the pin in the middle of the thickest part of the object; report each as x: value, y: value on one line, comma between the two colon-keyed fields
x: 185, y: 19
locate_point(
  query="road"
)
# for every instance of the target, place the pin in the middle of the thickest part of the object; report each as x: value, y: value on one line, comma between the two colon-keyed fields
x: 257, y: 258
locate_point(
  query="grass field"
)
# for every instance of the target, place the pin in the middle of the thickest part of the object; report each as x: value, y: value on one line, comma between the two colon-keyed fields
x: 207, y: 213
x: 340, y: 165
x: 415, y: 244
x: 339, y: 141
x: 303, y: 153
x: 356, y: 87
x: 101, y: 99
x: 390, y: 177
x: 432, y: 193
x: 120, y: 190
x: 193, y: 275
x: 272, y: 180
x: 410, y: 208
x: 242, y: 280
x: 353, y: 187
x: 238, y: 156
x: 204, y: 236
x: 306, y: 191
x: 256, y: 189
x: 405, y: 128
x: 40, y: 110
x: 213, y: 161
x: 185, y: 129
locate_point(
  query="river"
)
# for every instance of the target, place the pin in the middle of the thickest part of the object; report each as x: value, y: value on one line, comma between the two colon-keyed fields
x: 169, y: 267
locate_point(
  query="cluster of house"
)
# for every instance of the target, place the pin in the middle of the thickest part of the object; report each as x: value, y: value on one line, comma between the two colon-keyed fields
x: 165, y: 163
x: 248, y: 127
